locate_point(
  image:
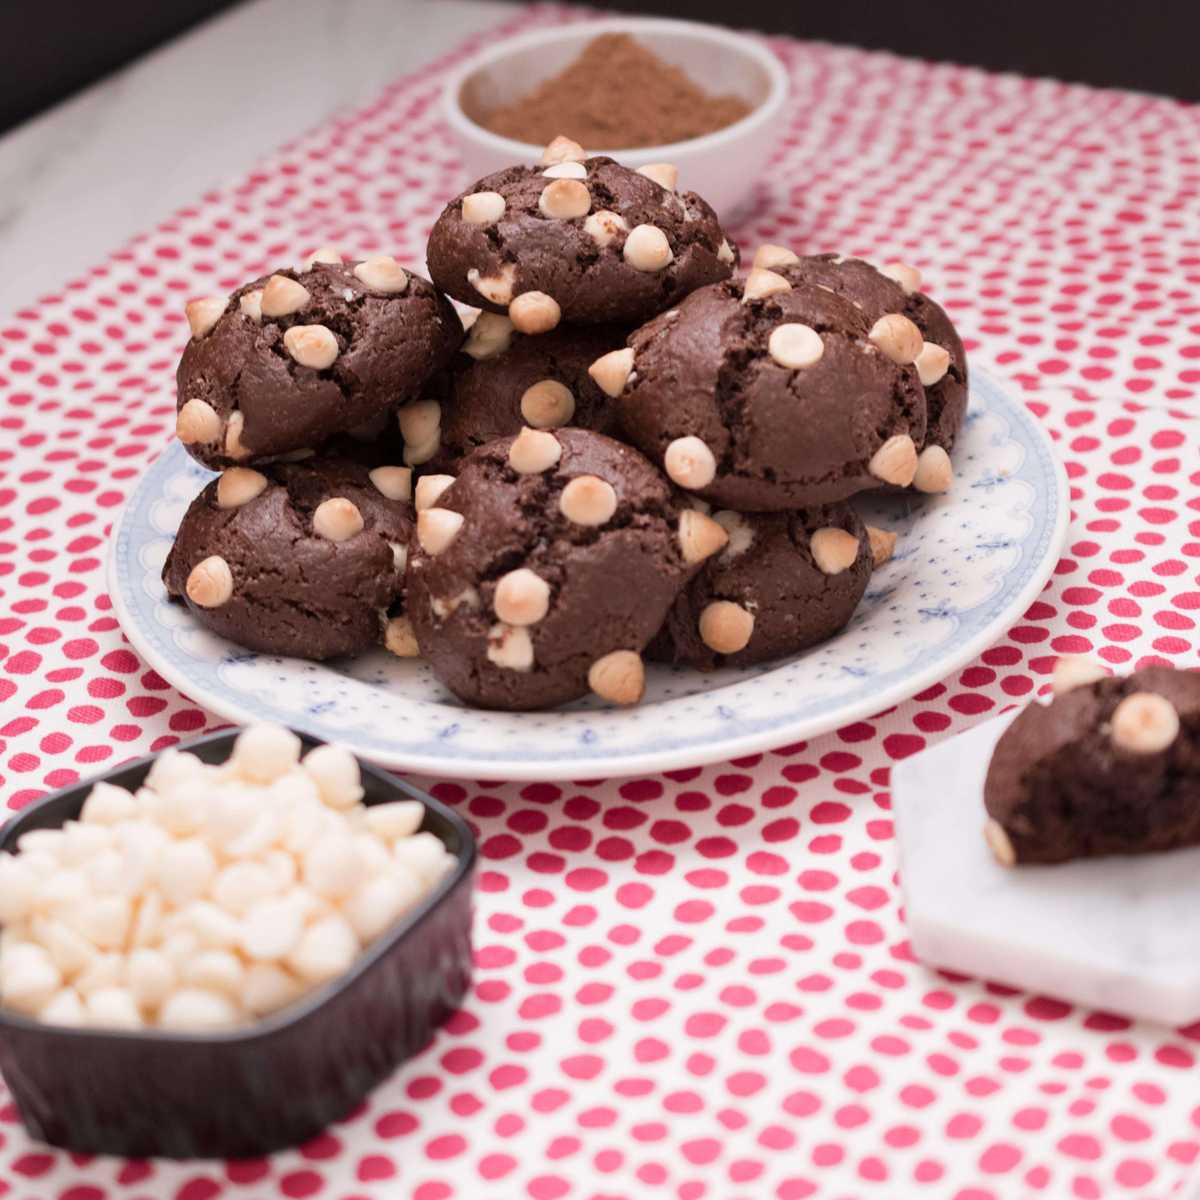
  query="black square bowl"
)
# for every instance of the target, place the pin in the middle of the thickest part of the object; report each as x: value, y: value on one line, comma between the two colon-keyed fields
x: 277, y: 1082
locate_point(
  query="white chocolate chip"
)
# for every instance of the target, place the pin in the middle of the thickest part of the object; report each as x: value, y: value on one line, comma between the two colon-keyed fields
x: 619, y: 677
x: 268, y: 988
x: 112, y: 1008
x: 217, y: 970
x: 533, y: 451
x: 282, y: 296
x: 396, y: 819
x: 690, y: 463
x: 420, y: 422
x: 647, y: 249
x: 611, y: 371
x: 197, y: 422
x: 393, y: 482
x: 380, y: 902
x: 562, y: 149
x: 250, y: 304
x: 337, y: 519
x: 909, y: 278
x: 382, y: 274
x: 588, y: 500
x: 233, y: 437
x: 1075, y: 670
x: 725, y: 253
x: 700, y: 536
x: 197, y: 1010
x: 510, y: 647
x: 726, y: 627
x: 932, y: 363
x: 604, y: 226
x: 323, y: 254
x: 666, y: 175
x: 265, y: 753
x: 430, y: 489
x: 999, y: 844
x: 210, y: 583
x: 312, y: 346
x: 834, y: 550
x: 566, y: 170
x: 883, y: 545
x: 564, y: 200
x: 934, y: 471
x: 238, y: 486
x: 272, y: 928
x: 895, y: 462
x: 107, y: 804
x: 739, y: 529
x: 400, y: 639
x: 522, y: 597
x: 497, y: 288
x: 547, y: 404
x: 64, y: 1008
x: 332, y: 866
x: 761, y: 282
x: 437, y: 528
x: 897, y: 337
x: 483, y: 208
x: 1144, y: 723
x: 769, y: 256
x: 336, y: 773
x: 534, y: 312
x: 795, y: 346
x: 203, y: 314
x: 490, y: 335
x: 327, y: 949
x: 419, y: 453
x: 30, y: 978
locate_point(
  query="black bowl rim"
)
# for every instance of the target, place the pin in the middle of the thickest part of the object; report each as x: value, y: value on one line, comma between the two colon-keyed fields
x: 303, y: 1008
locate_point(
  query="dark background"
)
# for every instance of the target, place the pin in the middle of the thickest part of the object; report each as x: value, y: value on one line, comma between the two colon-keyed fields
x: 51, y: 48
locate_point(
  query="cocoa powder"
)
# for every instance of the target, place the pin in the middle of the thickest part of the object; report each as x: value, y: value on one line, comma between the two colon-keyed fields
x: 617, y: 95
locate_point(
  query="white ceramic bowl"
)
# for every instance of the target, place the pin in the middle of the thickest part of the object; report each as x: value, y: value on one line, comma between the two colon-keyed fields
x: 722, y: 167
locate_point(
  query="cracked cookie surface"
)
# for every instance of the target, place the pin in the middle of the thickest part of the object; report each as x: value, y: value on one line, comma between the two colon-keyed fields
x: 303, y: 559
x: 296, y: 357
x: 771, y: 402
x: 551, y: 553
x: 581, y: 250
x: 796, y: 579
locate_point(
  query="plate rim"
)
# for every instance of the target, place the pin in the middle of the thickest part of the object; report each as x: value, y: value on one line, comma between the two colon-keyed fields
x: 647, y: 762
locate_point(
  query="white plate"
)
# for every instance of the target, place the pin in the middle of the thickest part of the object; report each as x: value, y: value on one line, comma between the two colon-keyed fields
x: 967, y: 566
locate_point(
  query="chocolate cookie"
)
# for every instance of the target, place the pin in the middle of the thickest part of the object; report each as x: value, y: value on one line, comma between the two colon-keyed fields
x: 293, y: 358
x: 1111, y: 766
x: 942, y: 362
x: 546, y: 567
x: 783, y: 582
x: 774, y: 398
x: 581, y: 240
x: 301, y: 558
x: 542, y: 382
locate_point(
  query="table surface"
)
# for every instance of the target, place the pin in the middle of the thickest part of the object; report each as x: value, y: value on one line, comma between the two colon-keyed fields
x: 696, y: 985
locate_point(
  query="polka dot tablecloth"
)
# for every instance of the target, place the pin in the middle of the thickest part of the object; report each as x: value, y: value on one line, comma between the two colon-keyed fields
x: 698, y: 985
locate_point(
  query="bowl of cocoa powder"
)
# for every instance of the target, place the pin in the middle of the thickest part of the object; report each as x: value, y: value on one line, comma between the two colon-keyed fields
x: 643, y: 91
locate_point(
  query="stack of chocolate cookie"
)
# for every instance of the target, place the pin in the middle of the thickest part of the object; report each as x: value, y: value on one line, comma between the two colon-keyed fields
x: 628, y: 454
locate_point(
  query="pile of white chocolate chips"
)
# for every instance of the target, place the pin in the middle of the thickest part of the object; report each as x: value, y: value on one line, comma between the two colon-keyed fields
x: 212, y: 896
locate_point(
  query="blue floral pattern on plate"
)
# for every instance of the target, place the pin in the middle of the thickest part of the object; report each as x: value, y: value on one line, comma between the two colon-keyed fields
x: 967, y: 564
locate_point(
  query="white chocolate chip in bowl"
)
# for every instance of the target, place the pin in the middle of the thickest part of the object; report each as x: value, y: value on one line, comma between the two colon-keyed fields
x: 233, y: 941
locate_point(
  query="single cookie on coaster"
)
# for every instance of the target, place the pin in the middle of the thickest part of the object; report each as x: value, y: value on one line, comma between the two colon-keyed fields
x: 769, y: 399
x: 546, y: 567
x: 1110, y: 766
x: 782, y: 583
x: 305, y: 559
x: 542, y: 382
x: 577, y: 239
x: 879, y: 293
x: 287, y: 361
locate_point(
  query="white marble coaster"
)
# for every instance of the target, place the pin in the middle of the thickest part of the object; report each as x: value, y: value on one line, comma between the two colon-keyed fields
x: 1116, y: 933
